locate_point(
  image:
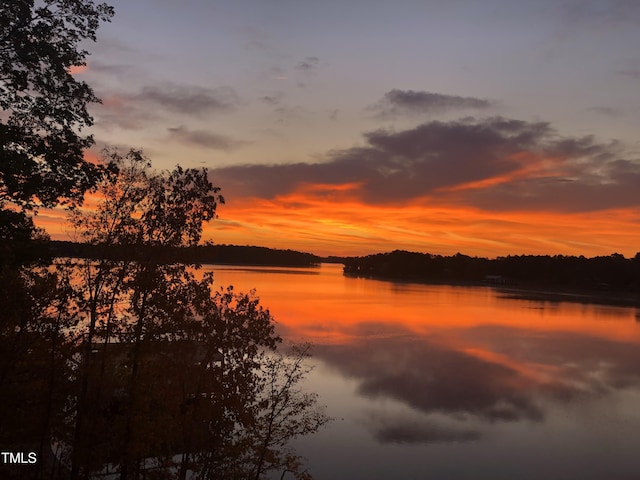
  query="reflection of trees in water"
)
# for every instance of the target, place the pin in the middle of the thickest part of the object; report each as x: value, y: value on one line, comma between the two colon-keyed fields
x: 134, y: 366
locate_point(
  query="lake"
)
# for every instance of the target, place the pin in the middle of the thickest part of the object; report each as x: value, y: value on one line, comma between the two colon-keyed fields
x: 443, y: 382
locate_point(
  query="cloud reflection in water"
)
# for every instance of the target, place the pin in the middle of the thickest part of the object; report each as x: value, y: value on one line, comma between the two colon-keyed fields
x: 454, y: 393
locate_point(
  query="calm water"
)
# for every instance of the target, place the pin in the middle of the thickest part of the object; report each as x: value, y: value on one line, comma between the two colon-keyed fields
x: 438, y: 382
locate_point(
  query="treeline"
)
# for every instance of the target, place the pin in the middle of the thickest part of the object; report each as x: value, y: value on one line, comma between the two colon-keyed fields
x: 200, y: 254
x: 613, y: 272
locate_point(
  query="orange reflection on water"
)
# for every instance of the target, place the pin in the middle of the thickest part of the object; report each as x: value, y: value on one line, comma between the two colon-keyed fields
x: 324, y: 306
x: 426, y: 375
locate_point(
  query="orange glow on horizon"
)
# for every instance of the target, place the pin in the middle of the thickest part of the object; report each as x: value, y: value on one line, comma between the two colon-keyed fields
x: 331, y: 220
x: 334, y: 222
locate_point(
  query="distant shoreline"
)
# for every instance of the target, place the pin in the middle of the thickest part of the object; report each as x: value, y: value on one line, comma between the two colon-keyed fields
x: 200, y: 254
x: 534, y: 293
x: 606, y: 280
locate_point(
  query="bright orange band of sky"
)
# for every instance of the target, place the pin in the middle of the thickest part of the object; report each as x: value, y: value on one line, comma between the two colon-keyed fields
x: 330, y: 222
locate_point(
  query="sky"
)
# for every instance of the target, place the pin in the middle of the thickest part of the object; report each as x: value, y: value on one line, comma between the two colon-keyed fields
x: 486, y: 127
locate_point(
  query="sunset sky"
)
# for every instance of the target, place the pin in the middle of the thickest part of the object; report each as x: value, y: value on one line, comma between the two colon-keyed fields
x: 487, y: 127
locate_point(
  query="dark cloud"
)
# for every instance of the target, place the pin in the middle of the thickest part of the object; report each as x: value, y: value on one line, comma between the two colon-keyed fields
x: 189, y: 99
x: 399, y: 430
x: 599, y: 185
x: 409, y: 102
x: 203, y: 138
x: 434, y: 378
x: 397, y: 166
x: 526, y: 165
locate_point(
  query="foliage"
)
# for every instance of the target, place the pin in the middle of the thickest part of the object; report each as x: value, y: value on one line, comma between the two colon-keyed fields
x: 44, y: 107
x: 127, y: 361
x: 168, y: 367
x: 609, y: 273
x: 205, y: 254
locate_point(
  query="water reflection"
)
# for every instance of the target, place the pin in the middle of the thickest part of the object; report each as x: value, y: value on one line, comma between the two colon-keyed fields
x: 435, y: 379
x: 518, y: 380
x: 425, y: 376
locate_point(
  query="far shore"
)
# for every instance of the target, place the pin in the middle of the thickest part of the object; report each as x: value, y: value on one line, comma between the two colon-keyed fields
x: 535, y: 293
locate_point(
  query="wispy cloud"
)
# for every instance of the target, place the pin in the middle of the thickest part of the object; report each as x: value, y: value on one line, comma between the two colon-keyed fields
x: 118, y: 112
x: 606, y: 111
x: 202, y: 138
x: 272, y: 100
x: 308, y: 66
x: 409, y: 102
x: 189, y: 99
x: 286, y: 115
x: 405, y: 429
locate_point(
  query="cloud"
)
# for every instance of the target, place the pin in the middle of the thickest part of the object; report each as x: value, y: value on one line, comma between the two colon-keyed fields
x: 493, y: 163
x: 135, y: 111
x: 308, y: 66
x: 432, y: 378
x: 286, y: 115
x: 514, y: 380
x: 113, y: 69
x: 589, y: 365
x: 606, y: 111
x: 206, y: 139
x: 117, y: 111
x: 409, y: 102
x: 191, y: 100
x: 272, y: 100
x: 401, y: 430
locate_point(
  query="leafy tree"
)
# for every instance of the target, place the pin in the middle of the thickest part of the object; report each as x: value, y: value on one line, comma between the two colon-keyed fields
x: 35, y: 352
x: 167, y: 367
x: 44, y: 107
x: 285, y: 411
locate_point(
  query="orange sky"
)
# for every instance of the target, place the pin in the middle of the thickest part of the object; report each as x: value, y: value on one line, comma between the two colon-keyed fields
x: 330, y: 221
x: 353, y: 228
x: 509, y: 134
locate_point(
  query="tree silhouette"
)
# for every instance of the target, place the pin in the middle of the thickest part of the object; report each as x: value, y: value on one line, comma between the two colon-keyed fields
x: 172, y: 377
x: 124, y: 362
x: 42, y: 111
x: 44, y: 107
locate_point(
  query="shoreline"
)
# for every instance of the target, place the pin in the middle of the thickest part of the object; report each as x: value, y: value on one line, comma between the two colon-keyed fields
x: 532, y: 292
